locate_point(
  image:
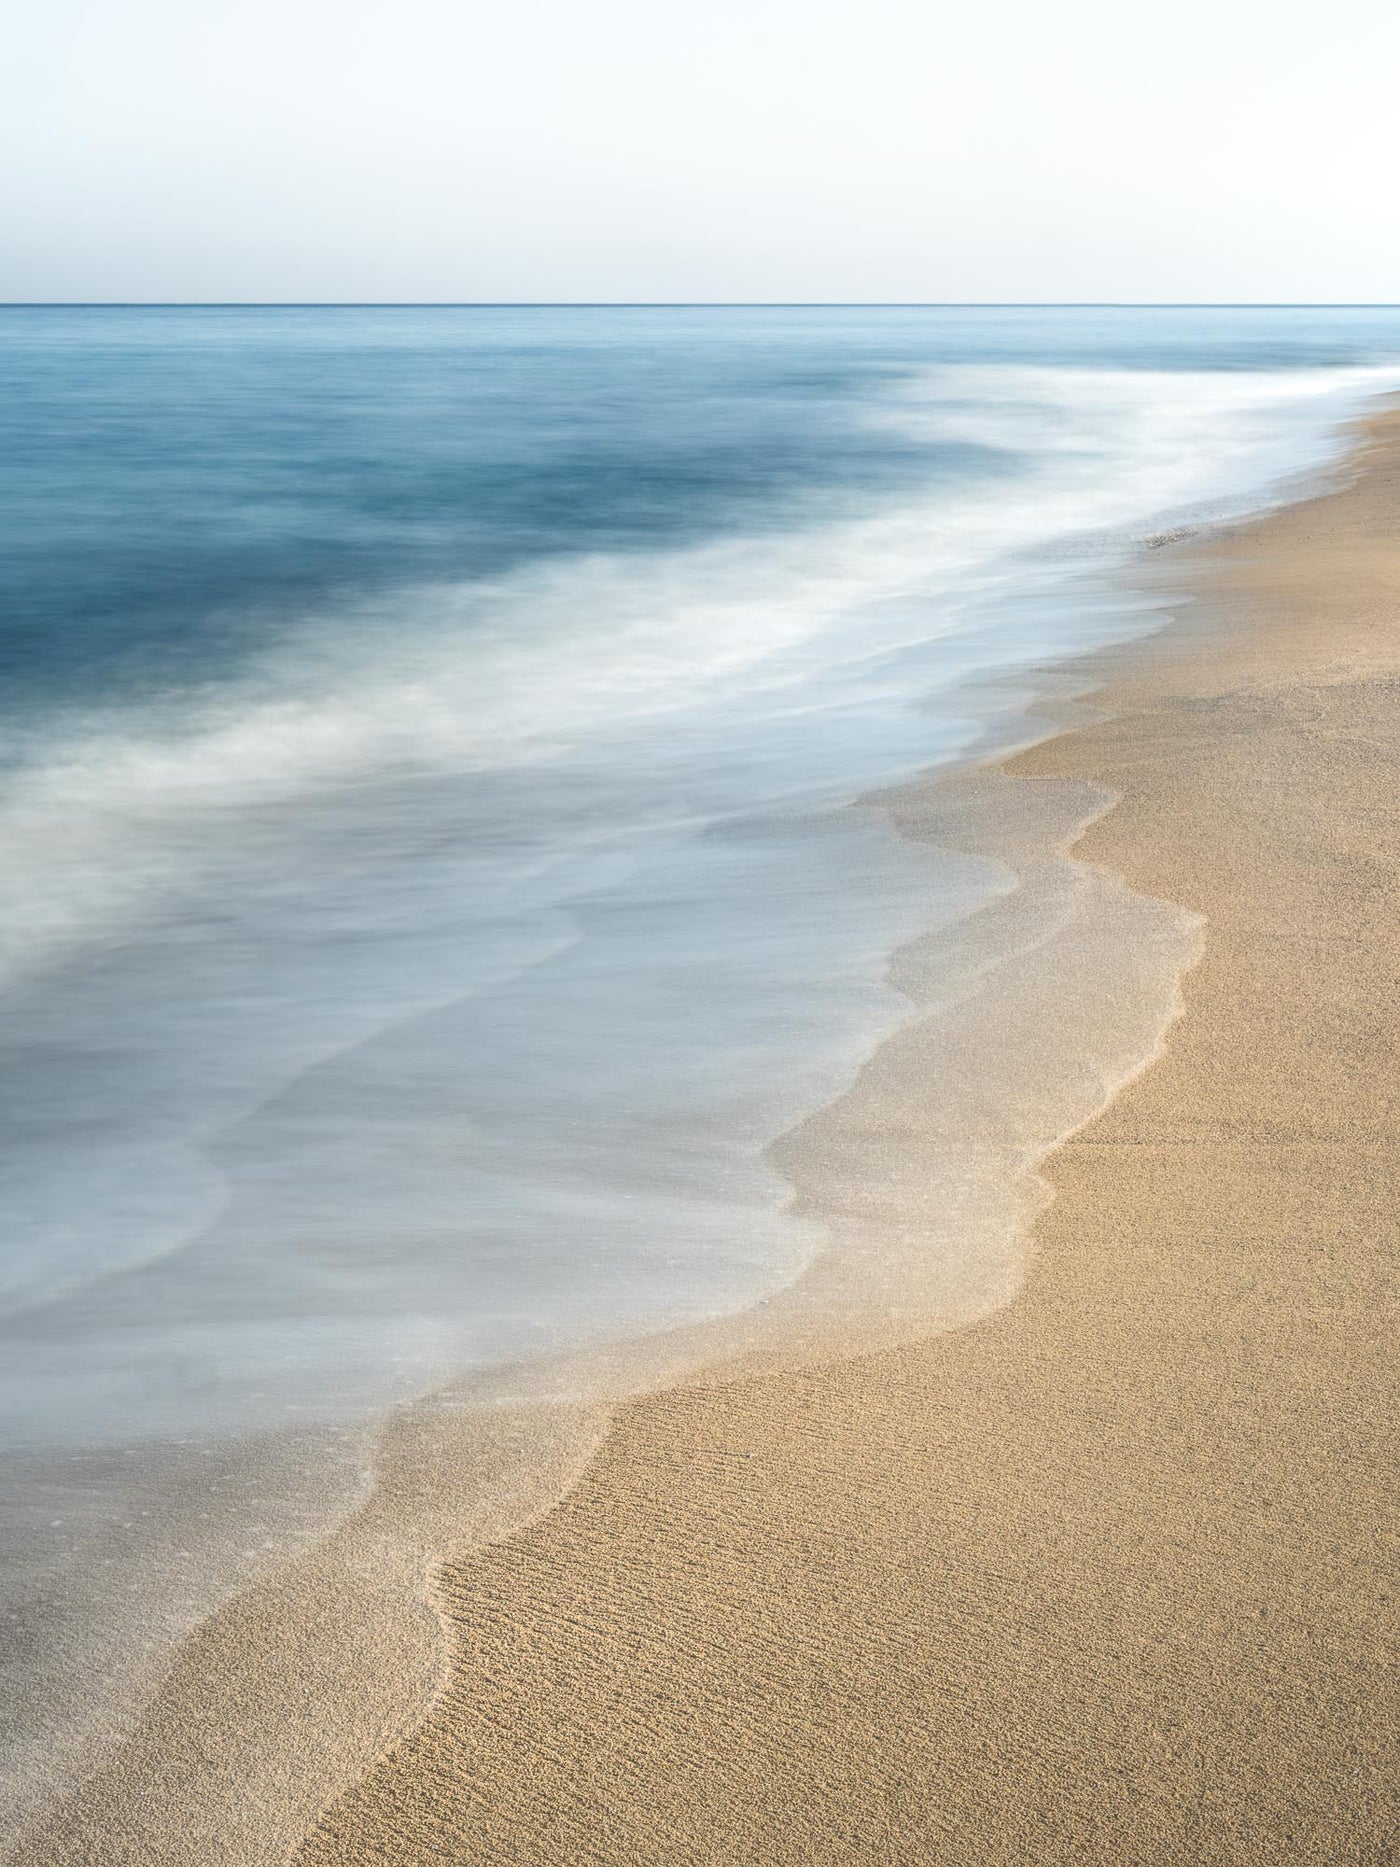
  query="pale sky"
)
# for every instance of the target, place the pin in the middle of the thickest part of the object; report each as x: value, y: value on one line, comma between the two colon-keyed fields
x: 728, y: 149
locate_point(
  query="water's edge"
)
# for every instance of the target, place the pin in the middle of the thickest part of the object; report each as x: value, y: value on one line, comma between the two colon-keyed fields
x: 474, y: 1465
x: 1061, y: 990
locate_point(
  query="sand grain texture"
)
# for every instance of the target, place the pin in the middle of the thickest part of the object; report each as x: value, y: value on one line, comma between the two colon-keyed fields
x: 1106, y: 1578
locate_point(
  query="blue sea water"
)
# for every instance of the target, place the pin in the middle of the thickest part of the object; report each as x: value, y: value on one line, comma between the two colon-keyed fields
x: 425, y: 882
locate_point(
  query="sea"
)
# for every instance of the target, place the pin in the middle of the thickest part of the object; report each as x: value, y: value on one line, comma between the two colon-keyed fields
x: 429, y: 876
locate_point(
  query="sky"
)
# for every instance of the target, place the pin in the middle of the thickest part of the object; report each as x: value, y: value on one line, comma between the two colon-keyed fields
x: 789, y: 150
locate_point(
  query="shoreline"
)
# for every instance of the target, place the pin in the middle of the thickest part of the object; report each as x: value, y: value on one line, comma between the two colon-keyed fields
x: 1102, y: 1578
x: 654, y: 1439
x: 236, y: 1688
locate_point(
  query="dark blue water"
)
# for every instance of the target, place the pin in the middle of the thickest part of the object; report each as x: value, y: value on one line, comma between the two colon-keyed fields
x: 177, y: 487
x: 426, y: 886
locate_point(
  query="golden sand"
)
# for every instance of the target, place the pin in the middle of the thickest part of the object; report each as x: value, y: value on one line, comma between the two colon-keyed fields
x: 1107, y: 1578
x: 1102, y: 1579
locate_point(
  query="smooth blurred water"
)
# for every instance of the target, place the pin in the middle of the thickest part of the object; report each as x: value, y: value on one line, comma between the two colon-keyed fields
x: 427, y: 882
x: 422, y: 895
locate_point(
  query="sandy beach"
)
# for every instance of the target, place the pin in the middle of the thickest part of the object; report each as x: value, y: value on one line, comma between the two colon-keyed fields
x: 1107, y: 1577
x: 1103, y: 1577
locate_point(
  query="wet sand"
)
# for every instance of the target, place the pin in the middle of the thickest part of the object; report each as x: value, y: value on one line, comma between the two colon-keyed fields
x: 1108, y: 1576
x: 1101, y: 1577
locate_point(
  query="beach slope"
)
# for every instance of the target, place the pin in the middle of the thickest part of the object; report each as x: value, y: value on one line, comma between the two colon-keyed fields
x: 1105, y: 1578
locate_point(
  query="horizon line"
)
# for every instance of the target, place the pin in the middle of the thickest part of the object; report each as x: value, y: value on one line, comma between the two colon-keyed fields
x: 696, y: 304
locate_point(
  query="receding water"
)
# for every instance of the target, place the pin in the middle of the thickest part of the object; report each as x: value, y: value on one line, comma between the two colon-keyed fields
x: 425, y: 887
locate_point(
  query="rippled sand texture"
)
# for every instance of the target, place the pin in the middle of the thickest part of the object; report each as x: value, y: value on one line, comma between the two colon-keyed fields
x: 1106, y: 1577
x: 1098, y: 1578
x: 924, y: 1180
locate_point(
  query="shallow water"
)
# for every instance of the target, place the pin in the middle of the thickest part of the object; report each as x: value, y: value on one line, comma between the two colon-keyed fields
x: 426, y: 890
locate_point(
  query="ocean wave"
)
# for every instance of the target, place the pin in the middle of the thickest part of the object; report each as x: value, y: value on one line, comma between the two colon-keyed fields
x: 130, y: 810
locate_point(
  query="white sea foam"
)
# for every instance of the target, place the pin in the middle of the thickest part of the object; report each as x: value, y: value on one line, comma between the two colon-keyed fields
x: 540, y: 666
x: 426, y: 999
